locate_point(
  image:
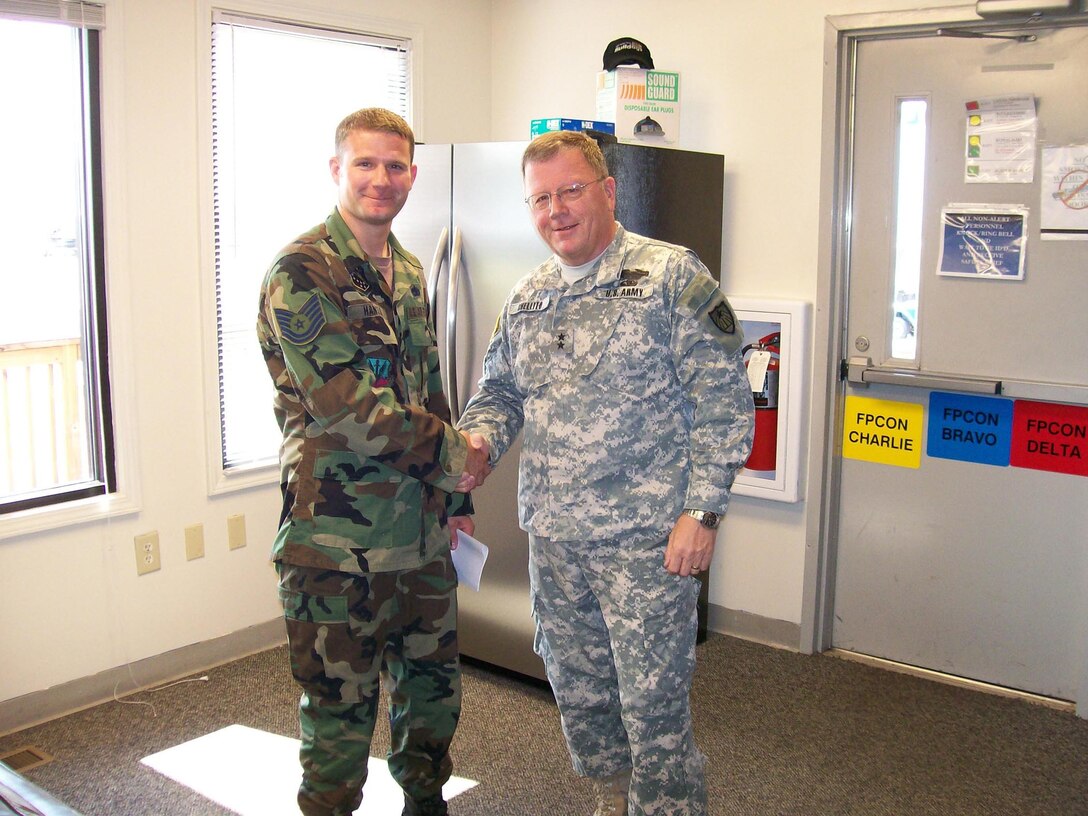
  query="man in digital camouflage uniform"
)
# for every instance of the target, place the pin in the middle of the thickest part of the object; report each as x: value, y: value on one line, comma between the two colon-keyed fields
x: 619, y: 358
x: 369, y: 465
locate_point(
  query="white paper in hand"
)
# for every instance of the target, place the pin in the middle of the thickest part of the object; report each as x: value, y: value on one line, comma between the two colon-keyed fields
x: 469, y: 559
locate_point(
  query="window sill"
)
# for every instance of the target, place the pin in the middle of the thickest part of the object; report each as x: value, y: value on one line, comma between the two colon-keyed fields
x: 243, y: 477
x: 56, y: 516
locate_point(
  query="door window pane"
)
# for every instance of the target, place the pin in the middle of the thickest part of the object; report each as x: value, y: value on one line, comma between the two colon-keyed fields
x: 278, y: 92
x: 55, y: 434
x: 910, y: 184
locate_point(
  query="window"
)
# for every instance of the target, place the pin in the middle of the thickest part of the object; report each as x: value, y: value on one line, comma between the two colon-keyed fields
x: 909, y: 185
x: 278, y: 92
x: 56, y: 434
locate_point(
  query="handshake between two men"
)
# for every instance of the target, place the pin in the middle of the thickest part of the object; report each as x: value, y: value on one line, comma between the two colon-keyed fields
x: 478, y: 463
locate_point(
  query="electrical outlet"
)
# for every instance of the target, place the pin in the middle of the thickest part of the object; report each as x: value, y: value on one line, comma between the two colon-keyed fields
x: 147, y: 552
x: 194, y: 541
x: 236, y: 531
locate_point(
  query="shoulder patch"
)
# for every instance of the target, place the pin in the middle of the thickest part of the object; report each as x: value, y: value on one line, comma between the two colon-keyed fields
x: 721, y: 322
x: 707, y: 304
x: 303, y: 326
x: 722, y: 317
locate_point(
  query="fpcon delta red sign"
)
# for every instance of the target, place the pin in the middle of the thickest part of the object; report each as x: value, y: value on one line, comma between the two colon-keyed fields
x: 1050, y: 436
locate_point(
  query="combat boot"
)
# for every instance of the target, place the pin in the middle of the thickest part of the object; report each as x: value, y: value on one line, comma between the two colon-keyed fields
x: 434, y: 806
x: 612, y: 794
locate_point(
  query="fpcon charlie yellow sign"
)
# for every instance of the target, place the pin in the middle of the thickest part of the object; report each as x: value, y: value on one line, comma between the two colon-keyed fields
x: 881, y: 431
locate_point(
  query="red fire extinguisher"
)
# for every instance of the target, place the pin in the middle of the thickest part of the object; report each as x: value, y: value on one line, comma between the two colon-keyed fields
x: 765, y: 445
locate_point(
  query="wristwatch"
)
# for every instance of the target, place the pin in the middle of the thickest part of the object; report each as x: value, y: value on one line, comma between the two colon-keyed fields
x: 705, y: 517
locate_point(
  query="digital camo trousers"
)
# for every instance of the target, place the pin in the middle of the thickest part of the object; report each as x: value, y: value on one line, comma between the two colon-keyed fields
x: 346, y: 631
x: 617, y: 632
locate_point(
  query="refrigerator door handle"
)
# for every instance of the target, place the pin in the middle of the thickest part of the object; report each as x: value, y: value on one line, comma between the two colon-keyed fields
x: 436, y: 272
x: 451, y: 325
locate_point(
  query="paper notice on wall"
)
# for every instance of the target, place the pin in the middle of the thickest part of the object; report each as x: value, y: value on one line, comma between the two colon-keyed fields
x: 1063, y: 211
x: 983, y: 241
x: 1000, y: 142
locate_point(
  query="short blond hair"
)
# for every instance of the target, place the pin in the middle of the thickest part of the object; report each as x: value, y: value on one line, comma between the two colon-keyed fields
x: 548, y: 145
x: 376, y: 119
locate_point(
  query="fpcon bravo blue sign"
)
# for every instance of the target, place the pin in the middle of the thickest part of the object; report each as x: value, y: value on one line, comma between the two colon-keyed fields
x: 969, y: 428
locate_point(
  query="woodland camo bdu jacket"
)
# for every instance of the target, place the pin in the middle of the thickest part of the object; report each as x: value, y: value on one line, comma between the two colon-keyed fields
x: 368, y: 453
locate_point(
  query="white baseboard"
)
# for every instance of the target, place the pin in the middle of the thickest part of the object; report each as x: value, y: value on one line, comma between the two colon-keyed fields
x: 42, y: 706
x: 748, y: 626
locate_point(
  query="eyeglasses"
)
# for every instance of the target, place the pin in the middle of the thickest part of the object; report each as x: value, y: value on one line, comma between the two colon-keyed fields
x: 572, y: 192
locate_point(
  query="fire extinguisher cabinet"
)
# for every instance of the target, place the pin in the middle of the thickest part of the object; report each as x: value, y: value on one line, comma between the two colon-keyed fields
x: 763, y: 360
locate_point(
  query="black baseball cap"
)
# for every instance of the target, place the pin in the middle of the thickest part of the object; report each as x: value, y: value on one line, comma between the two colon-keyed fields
x: 627, y: 51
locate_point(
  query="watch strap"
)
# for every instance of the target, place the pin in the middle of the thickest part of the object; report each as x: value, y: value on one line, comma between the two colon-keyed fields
x: 706, y: 518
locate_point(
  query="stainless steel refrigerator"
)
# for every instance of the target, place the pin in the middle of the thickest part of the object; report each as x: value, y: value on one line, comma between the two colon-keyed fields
x: 467, y: 222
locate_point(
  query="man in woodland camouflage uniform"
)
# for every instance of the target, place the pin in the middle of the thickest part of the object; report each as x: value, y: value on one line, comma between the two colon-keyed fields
x: 369, y: 466
x: 620, y: 359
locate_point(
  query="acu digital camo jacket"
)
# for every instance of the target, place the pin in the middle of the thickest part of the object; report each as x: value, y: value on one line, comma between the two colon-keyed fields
x: 368, y: 453
x: 631, y: 390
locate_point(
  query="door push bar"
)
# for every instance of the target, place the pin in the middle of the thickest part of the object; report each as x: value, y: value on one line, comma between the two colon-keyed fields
x: 860, y: 371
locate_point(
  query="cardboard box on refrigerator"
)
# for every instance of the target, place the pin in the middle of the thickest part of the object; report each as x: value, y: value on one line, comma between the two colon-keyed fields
x: 539, y: 126
x: 644, y: 104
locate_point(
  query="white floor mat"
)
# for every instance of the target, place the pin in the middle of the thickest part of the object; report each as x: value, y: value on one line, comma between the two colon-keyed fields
x: 255, y: 773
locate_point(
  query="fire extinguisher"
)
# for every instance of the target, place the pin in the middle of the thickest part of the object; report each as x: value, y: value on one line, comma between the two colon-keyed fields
x: 765, y: 445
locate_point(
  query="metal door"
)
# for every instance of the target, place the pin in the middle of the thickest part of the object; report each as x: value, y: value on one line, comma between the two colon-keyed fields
x: 970, y: 568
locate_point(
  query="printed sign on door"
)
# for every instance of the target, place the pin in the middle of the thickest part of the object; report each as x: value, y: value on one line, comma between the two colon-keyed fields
x: 882, y: 431
x: 1050, y: 436
x: 969, y: 428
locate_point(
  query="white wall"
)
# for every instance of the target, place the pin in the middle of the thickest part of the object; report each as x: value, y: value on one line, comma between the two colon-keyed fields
x: 71, y: 604
x: 751, y: 88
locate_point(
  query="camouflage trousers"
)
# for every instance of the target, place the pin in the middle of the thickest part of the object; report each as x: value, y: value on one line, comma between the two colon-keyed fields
x: 346, y: 633
x: 617, y: 632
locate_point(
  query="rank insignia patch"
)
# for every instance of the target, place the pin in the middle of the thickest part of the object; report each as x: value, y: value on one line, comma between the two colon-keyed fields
x: 302, y: 326
x: 722, y: 317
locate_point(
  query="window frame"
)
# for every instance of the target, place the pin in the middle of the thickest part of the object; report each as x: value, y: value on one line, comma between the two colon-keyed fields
x: 222, y: 479
x: 117, y: 492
